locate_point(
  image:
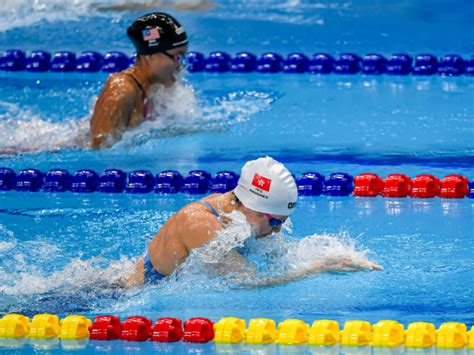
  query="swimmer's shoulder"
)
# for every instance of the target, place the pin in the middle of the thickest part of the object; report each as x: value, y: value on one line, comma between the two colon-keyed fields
x: 198, y: 213
x: 121, y: 83
x: 196, y: 224
x: 212, y: 199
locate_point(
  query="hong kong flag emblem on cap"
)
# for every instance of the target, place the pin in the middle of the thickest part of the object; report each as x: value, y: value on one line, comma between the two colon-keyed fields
x: 261, y: 182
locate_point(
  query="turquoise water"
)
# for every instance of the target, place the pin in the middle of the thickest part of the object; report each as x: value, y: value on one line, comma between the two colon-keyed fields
x: 60, y: 253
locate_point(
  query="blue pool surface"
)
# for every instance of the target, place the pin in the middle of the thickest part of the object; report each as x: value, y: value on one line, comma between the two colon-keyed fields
x: 61, y: 253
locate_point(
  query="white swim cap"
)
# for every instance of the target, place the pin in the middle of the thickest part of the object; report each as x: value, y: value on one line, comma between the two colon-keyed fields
x: 266, y: 186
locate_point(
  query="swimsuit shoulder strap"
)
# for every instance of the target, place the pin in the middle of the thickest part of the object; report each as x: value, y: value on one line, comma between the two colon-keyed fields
x: 136, y: 81
x: 214, y: 212
x: 147, y: 104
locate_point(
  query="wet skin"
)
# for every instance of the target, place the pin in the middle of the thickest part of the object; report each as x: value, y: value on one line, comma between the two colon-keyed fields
x: 120, y: 106
x: 193, y: 226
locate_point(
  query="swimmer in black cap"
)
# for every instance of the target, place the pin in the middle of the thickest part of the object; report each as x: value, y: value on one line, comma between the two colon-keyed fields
x: 160, y: 42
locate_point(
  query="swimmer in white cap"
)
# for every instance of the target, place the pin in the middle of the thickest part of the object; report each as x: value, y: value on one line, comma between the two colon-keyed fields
x: 266, y: 195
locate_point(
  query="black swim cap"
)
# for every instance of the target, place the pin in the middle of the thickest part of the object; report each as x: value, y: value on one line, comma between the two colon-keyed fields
x: 156, y: 32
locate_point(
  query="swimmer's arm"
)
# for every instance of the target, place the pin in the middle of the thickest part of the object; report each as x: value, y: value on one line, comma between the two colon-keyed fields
x: 112, y: 111
x: 317, y: 267
x: 347, y: 264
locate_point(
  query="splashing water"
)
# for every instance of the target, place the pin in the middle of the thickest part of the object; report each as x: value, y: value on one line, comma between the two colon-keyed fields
x: 25, y: 270
x: 213, y: 256
x: 178, y: 109
x: 214, y: 264
x: 21, y: 13
x: 7, y: 240
x: 29, y: 132
x: 33, y: 277
x: 76, y: 276
x: 174, y: 103
x: 28, y: 285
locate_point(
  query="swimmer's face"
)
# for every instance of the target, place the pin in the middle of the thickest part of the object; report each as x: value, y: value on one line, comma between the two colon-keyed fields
x: 165, y: 66
x: 261, y: 223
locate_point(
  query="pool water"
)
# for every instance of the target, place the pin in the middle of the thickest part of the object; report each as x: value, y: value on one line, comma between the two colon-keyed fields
x: 63, y: 253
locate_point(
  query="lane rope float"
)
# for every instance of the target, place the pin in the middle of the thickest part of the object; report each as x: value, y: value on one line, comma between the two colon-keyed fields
x: 231, y: 330
x: 198, y: 182
x: 14, y: 60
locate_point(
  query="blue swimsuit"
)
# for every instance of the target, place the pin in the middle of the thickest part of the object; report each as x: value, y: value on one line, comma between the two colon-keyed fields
x: 151, y: 275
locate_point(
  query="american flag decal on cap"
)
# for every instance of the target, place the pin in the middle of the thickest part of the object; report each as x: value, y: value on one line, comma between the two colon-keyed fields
x: 150, y: 34
x: 261, y: 182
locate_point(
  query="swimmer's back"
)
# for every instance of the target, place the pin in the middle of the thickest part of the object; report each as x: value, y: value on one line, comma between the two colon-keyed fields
x: 189, y: 228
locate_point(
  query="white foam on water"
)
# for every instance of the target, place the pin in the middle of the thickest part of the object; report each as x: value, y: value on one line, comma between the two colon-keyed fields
x: 21, y: 134
x: 327, y: 249
x: 22, y: 13
x: 7, y: 240
x: 7, y: 246
x: 179, y: 110
x: 94, y: 273
x: 213, y: 266
x: 213, y: 257
x: 28, y: 271
x: 21, y: 130
x: 28, y: 268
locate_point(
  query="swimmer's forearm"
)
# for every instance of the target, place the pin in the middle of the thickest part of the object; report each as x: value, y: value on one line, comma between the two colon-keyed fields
x: 292, y: 276
x: 354, y: 265
x: 341, y: 265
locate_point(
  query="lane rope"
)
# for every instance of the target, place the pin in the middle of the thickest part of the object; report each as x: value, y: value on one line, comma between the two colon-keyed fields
x: 245, y: 62
x: 198, y: 182
x: 231, y: 330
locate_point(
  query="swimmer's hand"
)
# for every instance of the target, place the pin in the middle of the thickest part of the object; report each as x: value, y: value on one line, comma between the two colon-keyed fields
x: 374, y: 266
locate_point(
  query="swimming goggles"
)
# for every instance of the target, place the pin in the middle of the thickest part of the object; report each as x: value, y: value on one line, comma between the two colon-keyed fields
x: 177, y: 58
x: 274, y: 222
